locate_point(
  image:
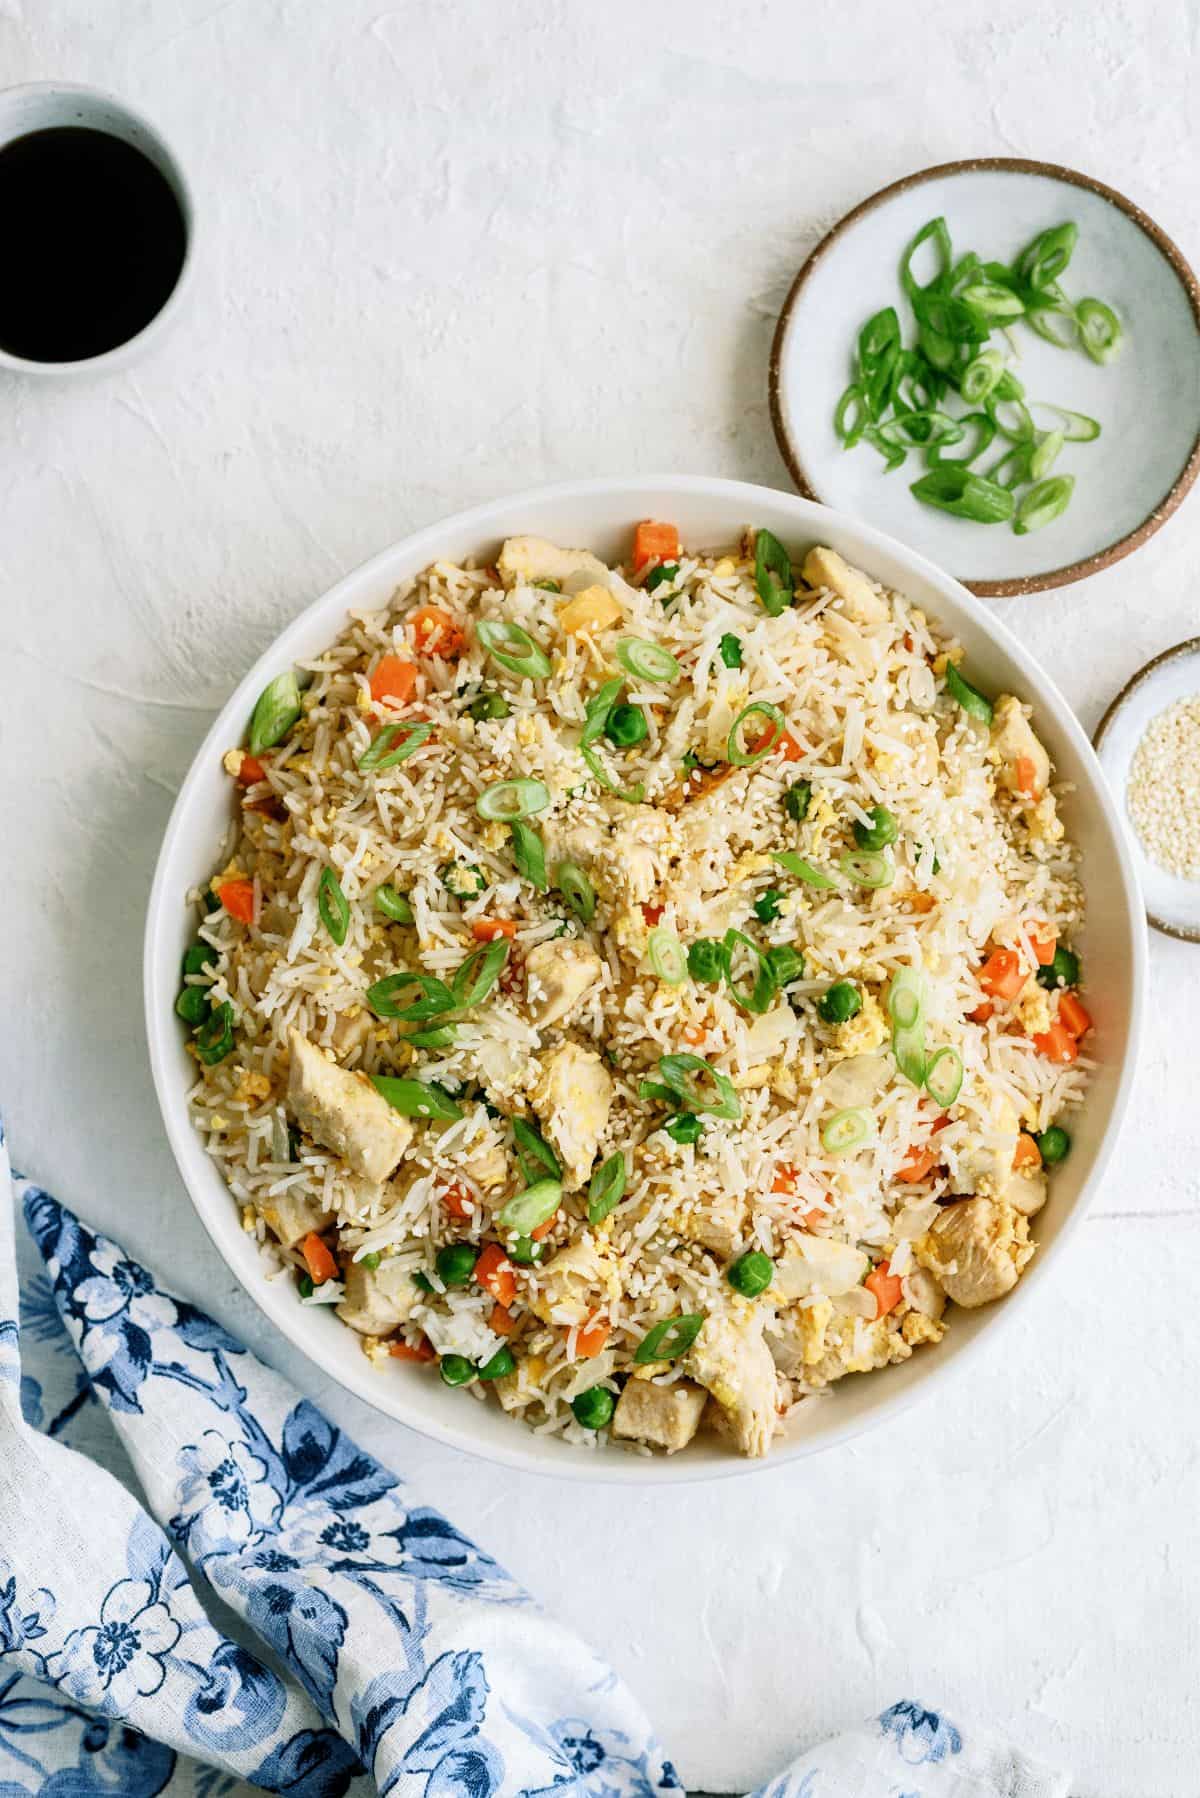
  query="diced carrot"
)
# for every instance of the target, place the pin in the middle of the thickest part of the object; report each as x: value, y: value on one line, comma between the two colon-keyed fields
x: 486, y: 930
x: 1044, y: 942
x: 786, y: 1177
x: 437, y: 632
x: 814, y: 1217
x: 791, y: 748
x: 982, y: 1013
x: 916, y: 1165
x: 1025, y: 775
x: 770, y: 737
x: 1056, y: 1044
x: 652, y: 913
x: 395, y: 677
x: 237, y: 896
x: 591, y: 1336
x: 502, y: 1320
x: 939, y: 1123
x: 494, y: 1272
x: 250, y: 771
x: 694, y: 1034
x: 404, y: 1351
x: 654, y: 542
x: 886, y: 1288
x: 1073, y: 1016
x: 544, y: 1229
x: 317, y: 1259
x: 459, y: 1200
x: 920, y: 902
x: 1002, y: 974
x: 1026, y: 1153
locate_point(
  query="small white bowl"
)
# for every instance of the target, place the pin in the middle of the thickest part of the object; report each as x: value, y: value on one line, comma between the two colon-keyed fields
x: 48, y: 105
x: 599, y: 514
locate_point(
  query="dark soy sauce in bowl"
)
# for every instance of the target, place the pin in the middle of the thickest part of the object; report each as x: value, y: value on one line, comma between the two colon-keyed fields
x: 94, y: 241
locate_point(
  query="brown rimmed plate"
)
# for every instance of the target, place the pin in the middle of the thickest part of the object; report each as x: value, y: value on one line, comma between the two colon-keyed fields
x: 1128, y: 481
x: 1172, y: 904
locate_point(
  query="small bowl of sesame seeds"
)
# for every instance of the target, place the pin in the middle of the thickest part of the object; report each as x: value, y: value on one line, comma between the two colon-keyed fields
x: 1148, y: 743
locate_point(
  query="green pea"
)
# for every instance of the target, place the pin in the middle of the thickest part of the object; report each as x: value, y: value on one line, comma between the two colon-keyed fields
x: 372, y: 1260
x: 489, y: 704
x: 423, y: 1283
x: 1054, y: 1144
x: 593, y: 1408
x: 524, y: 1251
x: 455, y: 1263
x: 456, y: 1370
x: 881, y: 831
x: 193, y: 1005
x: 626, y: 725
x: 1062, y: 971
x: 214, y: 1038
x: 797, y: 800
x: 766, y: 906
x: 839, y: 1003
x: 684, y: 1128
x: 304, y: 1286
x: 707, y: 960
x: 500, y: 1365
x: 751, y: 1273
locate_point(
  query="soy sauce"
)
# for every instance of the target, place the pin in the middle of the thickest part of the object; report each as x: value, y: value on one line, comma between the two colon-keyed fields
x: 93, y: 241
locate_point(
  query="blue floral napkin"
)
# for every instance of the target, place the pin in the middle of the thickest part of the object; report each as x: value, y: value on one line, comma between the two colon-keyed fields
x: 204, y: 1584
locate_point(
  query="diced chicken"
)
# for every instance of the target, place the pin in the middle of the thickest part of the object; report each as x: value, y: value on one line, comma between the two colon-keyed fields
x: 922, y: 1292
x: 861, y: 598
x: 573, y: 1097
x: 1024, y: 764
x: 343, y: 1112
x: 817, y: 1264
x: 557, y: 975
x: 292, y: 1216
x: 977, y: 1249
x: 1027, y: 1191
x: 378, y: 1299
x: 716, y: 1224
x: 351, y: 1030
x: 796, y: 1339
x: 573, y: 1283
x: 534, y: 559
x: 661, y: 1416
x: 731, y: 1358
x: 639, y: 856
x: 595, y: 609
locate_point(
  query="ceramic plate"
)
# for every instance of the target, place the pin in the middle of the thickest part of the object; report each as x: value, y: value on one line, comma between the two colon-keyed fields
x: 1147, y: 399
x: 1172, y: 904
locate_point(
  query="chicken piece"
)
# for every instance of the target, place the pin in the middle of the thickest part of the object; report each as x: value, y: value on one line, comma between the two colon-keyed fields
x: 557, y: 975
x: 985, y: 1165
x: 977, y: 1249
x: 534, y: 559
x: 731, y: 1358
x: 661, y: 1416
x: 595, y: 609
x: 351, y: 1030
x: 1024, y: 764
x: 1027, y: 1191
x: 861, y: 598
x: 573, y: 1283
x: 922, y: 1292
x: 293, y: 1216
x: 718, y: 1225
x: 573, y: 1097
x: 854, y: 1345
x: 796, y: 1339
x: 378, y: 1299
x: 818, y: 1264
x: 343, y: 1112
x: 639, y: 856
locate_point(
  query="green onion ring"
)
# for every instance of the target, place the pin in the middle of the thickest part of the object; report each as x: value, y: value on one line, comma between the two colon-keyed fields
x: 853, y: 399
x: 1042, y: 504
x: 276, y: 710
x: 631, y: 795
x: 669, y: 1339
x: 945, y: 1085
x: 379, y: 753
x: 333, y: 906
x: 530, y: 1209
x: 577, y: 890
x: 596, y: 712
x: 984, y: 429
x: 666, y: 955
x: 1045, y: 454
x: 606, y: 1188
x: 907, y: 998
x: 847, y: 1130
x: 439, y: 1038
x: 756, y: 998
x: 414, y: 1099
x: 935, y: 231
x: 697, y: 1086
x: 478, y: 974
x: 649, y: 661
x: 529, y: 853
x: 908, y: 1047
x: 968, y: 697
x: 758, y: 708
x: 993, y: 300
x: 772, y: 573
x: 1076, y: 427
x: 1016, y: 421
x: 382, y: 997
x: 980, y: 376
x: 867, y: 867
x: 802, y: 869
x: 952, y: 488
x: 534, y: 1152
x: 513, y: 648
x: 509, y: 799
x: 393, y: 905
x: 1099, y: 329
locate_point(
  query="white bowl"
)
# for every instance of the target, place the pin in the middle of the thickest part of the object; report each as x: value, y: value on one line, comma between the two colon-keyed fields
x: 599, y: 514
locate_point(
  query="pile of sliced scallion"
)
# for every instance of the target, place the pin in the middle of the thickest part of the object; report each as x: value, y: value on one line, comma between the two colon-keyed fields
x: 898, y: 398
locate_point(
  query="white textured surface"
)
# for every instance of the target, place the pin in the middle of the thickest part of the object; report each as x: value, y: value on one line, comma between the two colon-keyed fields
x: 450, y: 251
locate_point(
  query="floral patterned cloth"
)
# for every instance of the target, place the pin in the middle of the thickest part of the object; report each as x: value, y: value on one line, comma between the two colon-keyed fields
x: 353, y: 1641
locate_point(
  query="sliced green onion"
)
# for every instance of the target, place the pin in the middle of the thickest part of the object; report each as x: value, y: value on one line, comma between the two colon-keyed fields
x: 466, y: 880
x: 530, y: 1209
x: 751, y: 1273
x: 980, y: 376
x: 1052, y: 317
x: 577, y: 890
x: 908, y: 1047
x: 199, y: 958
x: 625, y: 726
x: 649, y: 661
x: 758, y: 708
x: 797, y: 800
x: 707, y: 961
x: 993, y: 300
x: 631, y: 795
x: 509, y: 799
x: 1076, y: 427
x: 756, y: 997
x: 847, y: 1130
x: 333, y: 906
x: 731, y: 650
x: 1044, y: 259
x: 529, y: 853
x: 907, y: 998
x: 879, y: 359
x: 440, y: 1038
x: 968, y: 697
x: 920, y: 430
x: 669, y: 1339
x: 698, y: 1086
x: 489, y: 704
x: 892, y: 453
x: 193, y: 1005
x: 479, y: 973
x: 1045, y: 454
x: 1011, y: 417
x: 414, y: 1098
x: 851, y: 416
x: 534, y: 1152
x: 944, y: 1076
x: 380, y: 753
x: 596, y: 712
x: 1044, y: 503
x: 979, y: 428
x: 684, y: 1128
x: 666, y: 956
x: 1013, y: 466
x: 934, y: 232
x: 952, y: 488
x: 867, y: 868
x: 393, y: 905
x: 881, y: 831
x: 660, y: 575
x: 214, y: 1038
x: 513, y: 648
x: 606, y: 1188
x: 276, y: 710
x: 1099, y: 329
x: 802, y: 869
x: 499, y: 1366
x: 382, y: 997
x: 772, y: 573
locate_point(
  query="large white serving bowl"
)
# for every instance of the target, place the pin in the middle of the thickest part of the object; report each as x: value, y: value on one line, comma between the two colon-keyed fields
x: 599, y: 514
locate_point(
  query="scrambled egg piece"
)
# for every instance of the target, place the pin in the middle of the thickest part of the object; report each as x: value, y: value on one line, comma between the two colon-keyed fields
x: 595, y: 609
x: 863, y: 1034
x: 1033, y: 1011
x: 251, y: 1088
x: 917, y: 1328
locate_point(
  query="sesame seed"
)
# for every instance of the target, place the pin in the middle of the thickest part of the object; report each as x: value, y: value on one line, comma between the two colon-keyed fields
x: 1163, y: 795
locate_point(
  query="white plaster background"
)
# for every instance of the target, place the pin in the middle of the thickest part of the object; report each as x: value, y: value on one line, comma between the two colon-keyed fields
x: 452, y: 250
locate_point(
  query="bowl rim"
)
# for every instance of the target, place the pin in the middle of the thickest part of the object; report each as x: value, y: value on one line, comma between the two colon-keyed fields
x: 524, y: 1453
x: 1021, y: 165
